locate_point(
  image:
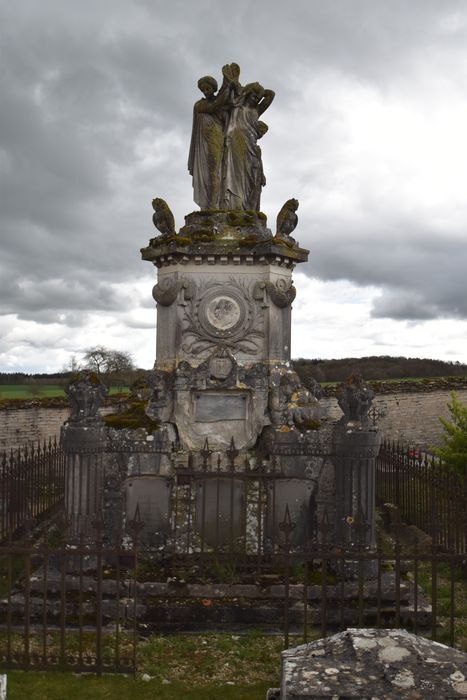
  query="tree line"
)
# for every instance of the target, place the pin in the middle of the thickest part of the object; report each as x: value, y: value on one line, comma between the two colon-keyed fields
x: 376, y: 368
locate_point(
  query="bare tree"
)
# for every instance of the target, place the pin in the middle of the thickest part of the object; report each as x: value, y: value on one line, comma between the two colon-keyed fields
x: 111, y: 365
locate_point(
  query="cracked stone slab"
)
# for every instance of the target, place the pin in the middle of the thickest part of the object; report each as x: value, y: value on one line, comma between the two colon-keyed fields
x: 373, y: 664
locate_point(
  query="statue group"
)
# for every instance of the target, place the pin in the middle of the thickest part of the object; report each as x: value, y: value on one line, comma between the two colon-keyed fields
x: 225, y: 159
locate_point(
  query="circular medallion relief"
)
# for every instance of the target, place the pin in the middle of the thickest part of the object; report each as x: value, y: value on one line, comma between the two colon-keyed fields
x: 222, y: 313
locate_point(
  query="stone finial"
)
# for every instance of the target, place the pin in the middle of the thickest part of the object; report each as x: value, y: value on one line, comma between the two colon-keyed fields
x: 354, y: 397
x: 163, y: 219
x: 287, y: 220
x: 85, y: 393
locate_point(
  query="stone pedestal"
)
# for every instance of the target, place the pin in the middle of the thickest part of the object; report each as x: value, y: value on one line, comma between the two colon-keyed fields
x: 84, y: 487
x: 356, y: 448
x: 224, y: 295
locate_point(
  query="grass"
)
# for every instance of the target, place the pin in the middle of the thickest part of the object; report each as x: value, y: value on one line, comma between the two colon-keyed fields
x: 39, y: 391
x: 195, y: 667
x: 55, y: 686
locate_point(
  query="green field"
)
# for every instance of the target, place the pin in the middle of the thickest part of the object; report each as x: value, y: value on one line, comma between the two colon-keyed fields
x: 41, y: 391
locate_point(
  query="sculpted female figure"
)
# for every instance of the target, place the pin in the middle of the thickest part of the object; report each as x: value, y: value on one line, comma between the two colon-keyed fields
x: 242, y: 167
x: 207, y: 144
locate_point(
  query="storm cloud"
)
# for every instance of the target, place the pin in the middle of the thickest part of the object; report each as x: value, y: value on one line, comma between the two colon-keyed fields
x: 367, y: 130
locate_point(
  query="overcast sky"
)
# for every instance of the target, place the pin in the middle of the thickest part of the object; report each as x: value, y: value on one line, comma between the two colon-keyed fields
x: 368, y: 130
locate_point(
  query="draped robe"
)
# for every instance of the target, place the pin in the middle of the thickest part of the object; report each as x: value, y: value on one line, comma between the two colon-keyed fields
x: 206, y: 150
x: 242, y: 169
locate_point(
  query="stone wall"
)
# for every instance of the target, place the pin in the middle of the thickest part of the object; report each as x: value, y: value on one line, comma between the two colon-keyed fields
x: 411, y: 417
x: 412, y: 414
x: 27, y: 423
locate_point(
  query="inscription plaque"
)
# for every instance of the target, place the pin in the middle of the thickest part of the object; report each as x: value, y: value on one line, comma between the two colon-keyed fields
x: 210, y: 407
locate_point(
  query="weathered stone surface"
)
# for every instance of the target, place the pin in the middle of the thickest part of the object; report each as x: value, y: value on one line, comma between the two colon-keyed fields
x: 356, y: 448
x: 85, y: 393
x: 224, y: 159
x: 376, y: 664
x: 287, y: 220
x: 163, y: 219
x: 355, y: 397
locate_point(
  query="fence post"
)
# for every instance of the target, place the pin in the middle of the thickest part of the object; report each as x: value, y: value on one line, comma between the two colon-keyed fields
x: 287, y: 527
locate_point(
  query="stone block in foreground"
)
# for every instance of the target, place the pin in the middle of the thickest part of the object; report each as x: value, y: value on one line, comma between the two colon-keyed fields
x: 370, y: 663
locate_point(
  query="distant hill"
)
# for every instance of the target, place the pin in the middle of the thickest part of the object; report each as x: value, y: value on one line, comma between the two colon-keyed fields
x: 377, y: 368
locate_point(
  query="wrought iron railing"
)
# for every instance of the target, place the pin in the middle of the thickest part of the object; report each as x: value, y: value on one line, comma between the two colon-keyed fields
x: 32, y: 483
x: 83, y: 606
x: 427, y: 492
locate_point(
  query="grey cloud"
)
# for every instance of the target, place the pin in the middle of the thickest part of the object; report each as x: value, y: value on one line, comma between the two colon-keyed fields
x: 421, y: 272
x: 87, y: 87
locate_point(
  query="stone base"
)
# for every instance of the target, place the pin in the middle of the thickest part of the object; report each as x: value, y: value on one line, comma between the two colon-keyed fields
x: 179, y: 606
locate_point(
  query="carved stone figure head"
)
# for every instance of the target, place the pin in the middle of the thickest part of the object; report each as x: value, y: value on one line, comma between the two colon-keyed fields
x: 292, y: 204
x: 208, y: 85
x: 253, y: 93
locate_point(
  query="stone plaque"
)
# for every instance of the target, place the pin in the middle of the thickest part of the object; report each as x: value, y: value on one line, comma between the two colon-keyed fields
x: 210, y: 407
x: 220, y: 507
x: 298, y: 496
x: 152, y: 495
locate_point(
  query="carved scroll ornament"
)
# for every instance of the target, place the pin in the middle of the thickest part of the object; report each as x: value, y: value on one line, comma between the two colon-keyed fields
x: 280, y: 294
x: 166, y: 291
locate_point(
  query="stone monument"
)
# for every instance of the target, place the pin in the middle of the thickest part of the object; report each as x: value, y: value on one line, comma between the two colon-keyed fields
x: 224, y: 288
x: 224, y: 293
x: 222, y: 380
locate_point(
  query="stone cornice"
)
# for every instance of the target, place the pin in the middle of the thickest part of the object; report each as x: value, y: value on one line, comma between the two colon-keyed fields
x: 223, y: 252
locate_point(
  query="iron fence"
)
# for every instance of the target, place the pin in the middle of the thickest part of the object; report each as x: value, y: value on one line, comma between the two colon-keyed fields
x: 32, y: 483
x: 68, y: 605
x: 229, y: 508
x: 427, y: 492
x: 85, y: 607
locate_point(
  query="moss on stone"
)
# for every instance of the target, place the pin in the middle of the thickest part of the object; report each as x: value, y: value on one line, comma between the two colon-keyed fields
x: 281, y: 241
x: 132, y: 418
x: 241, y: 218
x: 203, y: 235
x: 182, y: 240
x: 311, y: 424
x: 248, y: 241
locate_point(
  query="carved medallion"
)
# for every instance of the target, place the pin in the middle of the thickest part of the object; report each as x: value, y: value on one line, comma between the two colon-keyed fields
x: 223, y: 312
